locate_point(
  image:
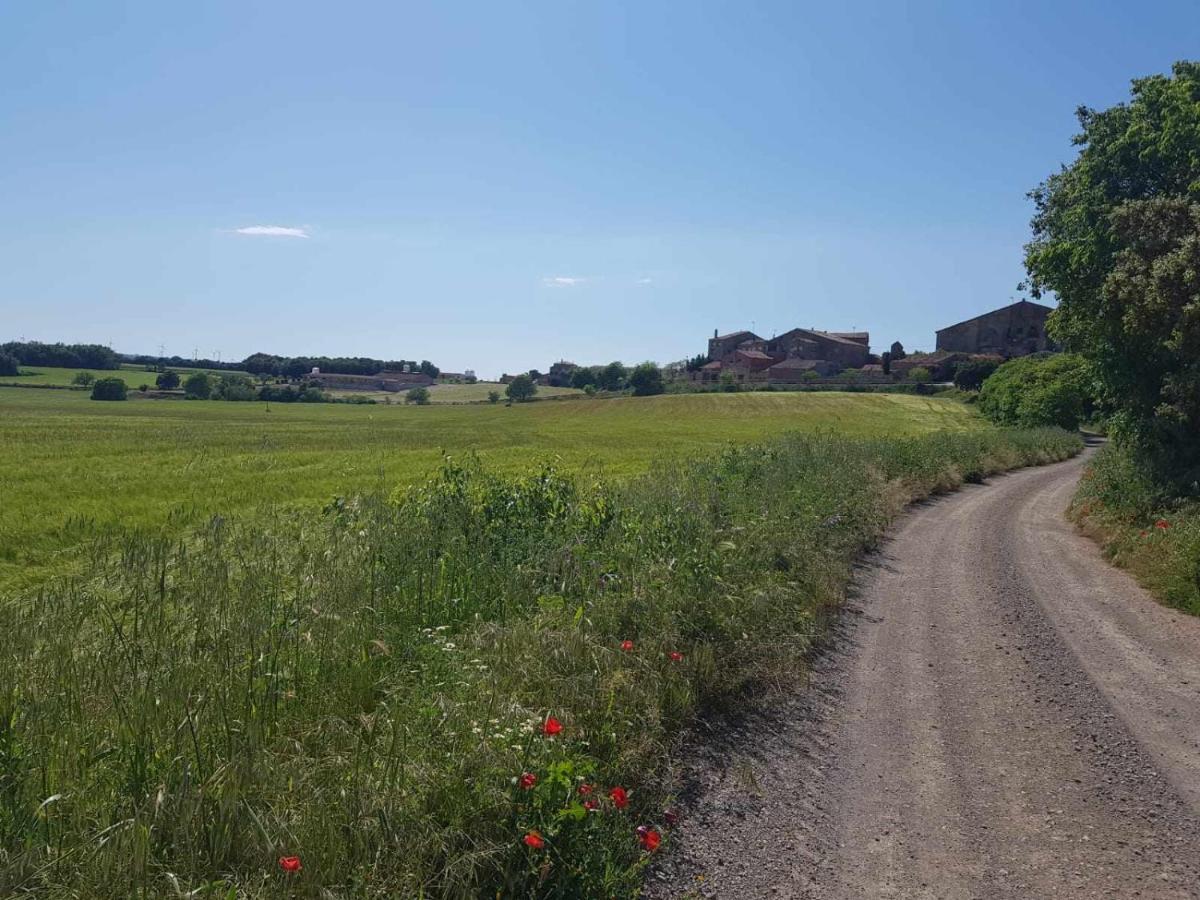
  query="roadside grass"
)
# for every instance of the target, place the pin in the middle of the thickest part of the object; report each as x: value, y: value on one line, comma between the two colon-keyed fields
x: 364, y: 687
x: 71, y: 463
x: 1157, y: 538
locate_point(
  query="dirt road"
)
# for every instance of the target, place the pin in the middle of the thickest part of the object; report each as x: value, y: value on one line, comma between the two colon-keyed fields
x: 1001, y: 714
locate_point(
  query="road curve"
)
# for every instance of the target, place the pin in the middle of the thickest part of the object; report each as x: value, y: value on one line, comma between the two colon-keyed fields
x: 1001, y: 714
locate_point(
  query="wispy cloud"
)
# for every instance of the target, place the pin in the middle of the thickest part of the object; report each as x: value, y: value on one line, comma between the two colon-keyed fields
x: 561, y: 281
x: 272, y: 231
x: 645, y: 281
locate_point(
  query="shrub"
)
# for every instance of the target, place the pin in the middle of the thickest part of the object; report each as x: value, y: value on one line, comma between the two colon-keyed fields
x: 83, y: 379
x: 971, y: 375
x: 646, y: 379
x: 198, y: 386
x: 312, y: 394
x: 235, y: 387
x: 1043, y: 389
x: 9, y: 364
x: 919, y: 374
x: 167, y: 381
x: 521, y: 389
x: 108, y: 389
x: 417, y: 395
x: 493, y: 396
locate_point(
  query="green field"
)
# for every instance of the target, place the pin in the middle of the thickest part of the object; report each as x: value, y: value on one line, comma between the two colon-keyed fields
x: 71, y: 461
x: 459, y: 393
x: 41, y: 376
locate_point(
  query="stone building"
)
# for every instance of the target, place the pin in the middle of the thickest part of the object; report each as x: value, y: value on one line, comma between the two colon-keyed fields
x: 1015, y: 330
x: 750, y: 358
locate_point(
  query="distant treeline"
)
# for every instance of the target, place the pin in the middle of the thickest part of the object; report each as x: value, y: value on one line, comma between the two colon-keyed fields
x: 296, y: 366
x: 179, y: 362
x: 67, y: 356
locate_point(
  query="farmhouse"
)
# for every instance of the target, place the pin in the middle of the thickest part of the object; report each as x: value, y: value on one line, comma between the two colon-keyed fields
x: 785, y: 358
x: 1015, y: 330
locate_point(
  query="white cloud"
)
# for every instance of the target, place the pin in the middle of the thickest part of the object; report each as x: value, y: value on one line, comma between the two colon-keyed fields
x: 645, y: 281
x: 272, y: 231
x: 561, y: 281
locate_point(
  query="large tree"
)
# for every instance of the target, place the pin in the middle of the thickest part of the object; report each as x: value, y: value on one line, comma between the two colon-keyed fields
x: 1116, y: 237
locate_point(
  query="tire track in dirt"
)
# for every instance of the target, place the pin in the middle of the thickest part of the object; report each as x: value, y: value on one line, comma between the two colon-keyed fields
x: 999, y: 713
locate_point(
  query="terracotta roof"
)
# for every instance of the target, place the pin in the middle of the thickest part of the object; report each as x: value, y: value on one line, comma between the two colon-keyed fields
x: 826, y: 335
x: 797, y: 363
x: 754, y: 354
x: 733, y: 334
x: 714, y: 365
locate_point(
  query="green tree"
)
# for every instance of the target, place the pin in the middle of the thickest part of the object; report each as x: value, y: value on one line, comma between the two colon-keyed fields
x: 919, y: 373
x: 583, y: 378
x: 493, y: 396
x: 970, y: 375
x: 417, y: 395
x: 235, y: 387
x: 108, y: 389
x: 198, y: 386
x: 1116, y: 236
x: 83, y: 378
x: 612, y: 377
x: 896, y: 352
x: 167, y: 381
x: 9, y: 364
x: 1043, y: 389
x: 646, y: 379
x: 521, y: 389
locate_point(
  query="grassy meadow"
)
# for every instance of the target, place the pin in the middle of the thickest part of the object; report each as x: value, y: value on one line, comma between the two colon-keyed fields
x: 73, y: 464
x: 49, y: 376
x: 461, y: 685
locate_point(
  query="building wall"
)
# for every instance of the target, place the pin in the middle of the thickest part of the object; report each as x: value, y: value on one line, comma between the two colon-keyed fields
x: 1015, y: 330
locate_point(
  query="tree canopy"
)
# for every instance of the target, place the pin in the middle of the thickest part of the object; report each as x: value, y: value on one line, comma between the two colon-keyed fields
x: 1043, y: 389
x: 1116, y: 236
x: 521, y: 388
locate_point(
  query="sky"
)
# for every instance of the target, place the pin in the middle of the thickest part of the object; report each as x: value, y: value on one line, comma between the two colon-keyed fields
x: 497, y: 186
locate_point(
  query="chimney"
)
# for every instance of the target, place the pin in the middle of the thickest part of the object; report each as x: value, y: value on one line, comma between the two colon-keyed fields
x: 714, y: 332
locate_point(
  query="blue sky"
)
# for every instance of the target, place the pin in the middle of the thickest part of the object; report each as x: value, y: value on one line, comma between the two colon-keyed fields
x: 497, y: 186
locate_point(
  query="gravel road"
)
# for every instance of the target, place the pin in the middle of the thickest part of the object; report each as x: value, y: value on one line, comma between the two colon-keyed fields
x: 1000, y: 713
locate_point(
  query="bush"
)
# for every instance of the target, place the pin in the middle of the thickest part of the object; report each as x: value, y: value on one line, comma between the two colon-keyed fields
x: 9, y: 364
x: 83, y: 379
x: 198, y: 386
x: 493, y: 396
x: 417, y: 395
x: 646, y: 379
x: 1039, y: 390
x: 312, y: 395
x: 235, y: 387
x: 970, y: 376
x: 167, y: 381
x: 108, y: 389
x: 521, y: 389
x: 919, y: 374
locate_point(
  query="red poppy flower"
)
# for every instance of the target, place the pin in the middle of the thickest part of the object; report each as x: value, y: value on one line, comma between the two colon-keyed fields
x: 534, y: 839
x: 649, y: 837
x: 1143, y: 534
x: 1162, y: 524
x: 671, y: 817
x: 619, y: 797
x: 590, y: 805
x: 290, y: 863
x: 585, y: 789
x: 552, y: 726
x: 627, y: 646
x: 675, y: 656
x: 527, y: 781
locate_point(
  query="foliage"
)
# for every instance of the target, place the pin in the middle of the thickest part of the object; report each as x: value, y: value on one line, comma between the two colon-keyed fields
x: 198, y: 386
x: 1141, y: 526
x: 69, y: 356
x: 970, y: 375
x: 583, y: 377
x: 919, y: 373
x: 896, y: 352
x: 493, y: 396
x: 9, y: 364
x: 167, y: 381
x: 1042, y: 389
x: 612, y: 377
x: 521, y: 389
x: 1116, y: 236
x: 108, y: 389
x: 646, y: 379
x: 367, y: 689
x: 417, y: 395
x: 234, y: 387
x: 299, y: 366
x: 697, y: 362
x: 83, y: 379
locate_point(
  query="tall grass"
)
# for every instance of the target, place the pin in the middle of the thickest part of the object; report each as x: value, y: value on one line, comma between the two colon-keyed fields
x: 363, y: 688
x: 1141, y: 527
